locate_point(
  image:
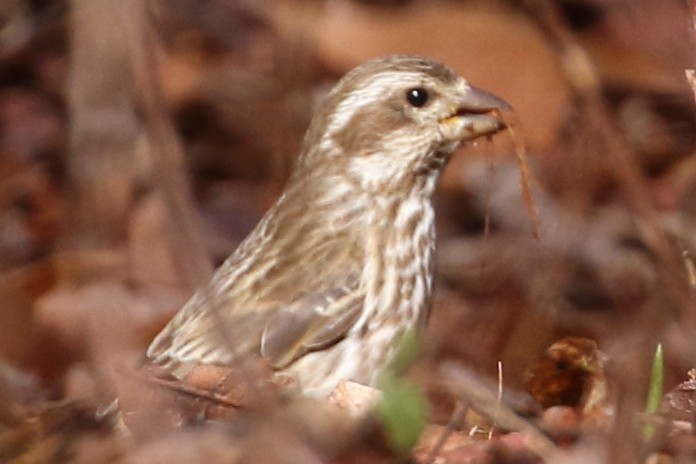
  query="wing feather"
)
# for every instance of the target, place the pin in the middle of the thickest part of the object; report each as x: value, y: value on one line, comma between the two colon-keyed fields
x: 310, y: 304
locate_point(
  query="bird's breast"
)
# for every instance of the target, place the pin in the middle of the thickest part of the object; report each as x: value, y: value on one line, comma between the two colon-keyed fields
x: 400, y: 248
x: 397, y: 279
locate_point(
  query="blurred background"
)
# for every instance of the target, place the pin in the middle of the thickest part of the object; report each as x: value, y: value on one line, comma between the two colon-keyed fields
x: 140, y: 141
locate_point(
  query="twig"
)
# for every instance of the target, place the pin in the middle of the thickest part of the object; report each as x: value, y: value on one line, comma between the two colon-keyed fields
x: 499, y: 399
x: 586, y: 91
x: 452, y: 424
x: 103, y: 127
x: 167, y: 153
x: 686, y: 257
x: 458, y: 381
x: 690, y: 269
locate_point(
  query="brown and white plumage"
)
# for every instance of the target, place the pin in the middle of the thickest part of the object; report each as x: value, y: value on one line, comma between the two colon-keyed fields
x: 343, y: 262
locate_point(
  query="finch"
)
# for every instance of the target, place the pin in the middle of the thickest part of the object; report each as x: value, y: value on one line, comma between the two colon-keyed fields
x: 342, y: 263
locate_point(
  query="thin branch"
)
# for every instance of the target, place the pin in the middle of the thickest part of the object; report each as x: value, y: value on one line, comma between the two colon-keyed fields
x: 458, y: 381
x: 169, y: 167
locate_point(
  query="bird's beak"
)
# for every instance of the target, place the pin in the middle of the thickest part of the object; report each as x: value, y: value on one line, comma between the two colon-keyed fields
x: 474, y: 113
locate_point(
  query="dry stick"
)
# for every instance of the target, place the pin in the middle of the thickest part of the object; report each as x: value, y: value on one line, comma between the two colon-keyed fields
x: 500, y: 399
x: 168, y: 160
x: 458, y: 414
x: 452, y: 424
x: 103, y: 132
x: 458, y: 382
x: 169, y: 167
x: 586, y: 89
x: 525, y: 181
x: 690, y: 269
x: 103, y: 127
x: 195, y: 393
x: 686, y: 257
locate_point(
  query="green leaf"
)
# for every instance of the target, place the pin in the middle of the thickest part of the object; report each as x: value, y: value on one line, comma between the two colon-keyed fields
x: 657, y: 377
x: 407, y: 348
x: 403, y: 412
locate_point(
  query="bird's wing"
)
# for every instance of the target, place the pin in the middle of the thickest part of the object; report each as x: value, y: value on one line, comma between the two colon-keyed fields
x: 314, y: 321
x: 311, y: 304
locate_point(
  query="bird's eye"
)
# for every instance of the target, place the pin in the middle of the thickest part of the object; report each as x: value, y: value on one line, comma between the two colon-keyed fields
x: 417, y: 97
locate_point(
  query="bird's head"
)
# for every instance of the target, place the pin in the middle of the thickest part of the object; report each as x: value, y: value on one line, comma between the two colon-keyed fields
x: 396, y: 120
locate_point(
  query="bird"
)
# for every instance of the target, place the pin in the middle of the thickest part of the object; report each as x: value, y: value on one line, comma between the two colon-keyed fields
x: 342, y: 264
